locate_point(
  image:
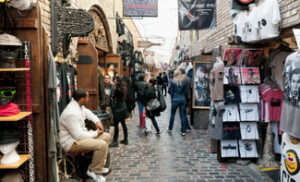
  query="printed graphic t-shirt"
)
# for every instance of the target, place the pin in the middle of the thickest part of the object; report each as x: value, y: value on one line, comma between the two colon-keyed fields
x: 252, y: 29
x: 274, y: 99
x: 290, y: 115
x: 269, y: 19
x: 239, y: 24
x: 216, y: 81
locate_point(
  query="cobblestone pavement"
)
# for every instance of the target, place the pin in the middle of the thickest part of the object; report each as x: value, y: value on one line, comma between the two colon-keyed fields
x: 172, y: 157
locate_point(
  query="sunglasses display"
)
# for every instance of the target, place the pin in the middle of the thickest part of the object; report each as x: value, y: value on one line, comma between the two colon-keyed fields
x: 7, y: 93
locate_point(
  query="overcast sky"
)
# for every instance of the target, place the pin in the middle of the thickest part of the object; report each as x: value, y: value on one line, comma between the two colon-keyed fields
x: 164, y: 26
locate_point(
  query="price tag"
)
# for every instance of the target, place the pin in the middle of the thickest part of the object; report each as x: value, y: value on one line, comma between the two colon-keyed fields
x: 297, y: 36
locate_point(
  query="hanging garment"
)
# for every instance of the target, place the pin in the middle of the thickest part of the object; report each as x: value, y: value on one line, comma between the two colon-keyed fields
x: 62, y: 86
x: 215, y: 125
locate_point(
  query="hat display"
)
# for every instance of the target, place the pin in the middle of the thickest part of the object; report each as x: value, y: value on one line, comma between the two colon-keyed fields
x: 9, y: 40
x: 9, y: 135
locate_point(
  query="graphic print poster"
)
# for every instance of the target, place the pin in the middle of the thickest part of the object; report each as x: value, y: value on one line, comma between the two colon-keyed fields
x: 232, y: 57
x: 250, y: 75
x: 197, y: 14
x: 232, y: 75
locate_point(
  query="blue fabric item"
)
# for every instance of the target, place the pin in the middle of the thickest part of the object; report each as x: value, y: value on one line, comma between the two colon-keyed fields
x: 190, y: 75
x: 182, y: 106
x: 177, y: 91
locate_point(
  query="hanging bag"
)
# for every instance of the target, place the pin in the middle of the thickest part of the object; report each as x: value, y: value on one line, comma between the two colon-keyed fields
x: 162, y: 102
x: 153, y: 103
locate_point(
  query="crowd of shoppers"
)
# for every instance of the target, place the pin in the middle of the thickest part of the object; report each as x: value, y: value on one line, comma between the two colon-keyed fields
x: 120, y: 94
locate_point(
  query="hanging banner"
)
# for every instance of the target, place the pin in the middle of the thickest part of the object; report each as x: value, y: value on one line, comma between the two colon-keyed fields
x: 140, y: 8
x: 197, y: 14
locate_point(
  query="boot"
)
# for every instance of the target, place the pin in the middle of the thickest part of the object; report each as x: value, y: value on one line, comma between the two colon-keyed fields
x: 125, y: 142
x: 114, y: 144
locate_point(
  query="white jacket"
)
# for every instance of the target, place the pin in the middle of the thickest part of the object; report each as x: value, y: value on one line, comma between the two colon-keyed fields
x: 72, y: 125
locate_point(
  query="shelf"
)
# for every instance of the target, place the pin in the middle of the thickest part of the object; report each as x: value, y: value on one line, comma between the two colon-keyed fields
x: 17, y: 117
x: 16, y: 165
x: 14, y: 69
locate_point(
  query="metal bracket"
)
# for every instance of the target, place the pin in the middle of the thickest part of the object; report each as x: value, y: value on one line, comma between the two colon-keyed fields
x: 67, y: 23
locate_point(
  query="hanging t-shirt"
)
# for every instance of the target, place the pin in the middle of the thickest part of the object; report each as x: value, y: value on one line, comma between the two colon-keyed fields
x: 239, y: 24
x: 277, y: 65
x: 252, y: 29
x: 216, y: 81
x: 70, y: 75
x: 274, y: 97
x: 231, y: 94
x: 290, y: 115
x: 215, y: 125
x: 269, y: 19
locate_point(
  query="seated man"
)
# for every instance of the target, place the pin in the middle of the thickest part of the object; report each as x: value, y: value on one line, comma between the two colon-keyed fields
x: 75, y: 137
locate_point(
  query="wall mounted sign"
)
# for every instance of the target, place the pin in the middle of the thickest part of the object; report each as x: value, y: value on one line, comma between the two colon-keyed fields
x: 197, y: 14
x: 140, y: 8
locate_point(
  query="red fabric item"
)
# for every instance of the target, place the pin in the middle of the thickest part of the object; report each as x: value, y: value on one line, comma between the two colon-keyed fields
x: 274, y: 99
x: 142, y: 119
x: 9, y: 109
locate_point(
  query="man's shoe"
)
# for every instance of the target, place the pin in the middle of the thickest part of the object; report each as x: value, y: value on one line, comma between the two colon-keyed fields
x: 158, y: 133
x: 182, y: 134
x: 105, y: 170
x: 125, y: 142
x: 114, y: 144
x: 96, y: 177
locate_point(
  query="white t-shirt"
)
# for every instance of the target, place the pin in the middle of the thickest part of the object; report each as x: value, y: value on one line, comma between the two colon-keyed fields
x: 239, y: 24
x: 252, y: 29
x: 269, y: 19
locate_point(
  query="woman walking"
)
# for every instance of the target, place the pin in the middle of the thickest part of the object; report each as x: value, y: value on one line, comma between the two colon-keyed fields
x: 151, y: 93
x: 119, y: 111
x: 179, y: 93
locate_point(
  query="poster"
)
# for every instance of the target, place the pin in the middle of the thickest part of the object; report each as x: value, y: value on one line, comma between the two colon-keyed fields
x: 248, y: 149
x: 197, y: 14
x: 232, y: 57
x: 232, y: 75
x: 252, y: 57
x: 249, y: 130
x: 231, y: 94
x: 249, y: 112
x: 140, y: 8
x: 201, y: 92
x: 249, y: 94
x: 250, y: 75
x: 290, y: 165
x: 229, y: 148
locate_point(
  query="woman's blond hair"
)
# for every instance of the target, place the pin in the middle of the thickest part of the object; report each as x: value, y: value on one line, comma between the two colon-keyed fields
x: 177, y: 77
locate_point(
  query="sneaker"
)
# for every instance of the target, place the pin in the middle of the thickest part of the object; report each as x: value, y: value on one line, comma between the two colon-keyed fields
x: 114, y: 144
x: 125, y: 142
x: 158, y: 133
x: 96, y: 177
x: 105, y: 170
x: 182, y: 134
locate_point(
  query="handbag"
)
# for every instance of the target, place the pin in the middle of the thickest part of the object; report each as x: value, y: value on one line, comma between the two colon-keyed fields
x: 162, y: 102
x: 153, y: 103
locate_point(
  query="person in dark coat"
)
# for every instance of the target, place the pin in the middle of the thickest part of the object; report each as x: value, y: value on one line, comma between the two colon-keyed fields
x: 140, y: 87
x: 151, y: 93
x: 119, y: 111
x: 166, y: 83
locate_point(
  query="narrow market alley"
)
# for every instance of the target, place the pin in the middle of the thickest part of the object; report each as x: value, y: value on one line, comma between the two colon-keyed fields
x: 172, y: 157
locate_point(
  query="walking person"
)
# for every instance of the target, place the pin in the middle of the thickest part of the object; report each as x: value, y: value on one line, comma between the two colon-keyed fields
x: 140, y: 87
x: 188, y: 100
x: 160, y: 82
x: 179, y: 94
x: 152, y: 93
x: 166, y: 83
x: 119, y: 111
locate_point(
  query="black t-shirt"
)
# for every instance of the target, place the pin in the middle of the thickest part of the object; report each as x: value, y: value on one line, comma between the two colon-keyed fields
x: 231, y: 94
x: 231, y: 131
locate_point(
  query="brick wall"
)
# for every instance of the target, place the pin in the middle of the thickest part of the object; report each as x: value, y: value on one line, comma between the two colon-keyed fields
x: 109, y: 7
x: 208, y: 39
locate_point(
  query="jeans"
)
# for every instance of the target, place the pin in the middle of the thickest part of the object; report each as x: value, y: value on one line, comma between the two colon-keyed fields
x: 159, y: 87
x: 181, y: 103
x: 140, y: 105
x: 116, y: 134
x: 154, y: 124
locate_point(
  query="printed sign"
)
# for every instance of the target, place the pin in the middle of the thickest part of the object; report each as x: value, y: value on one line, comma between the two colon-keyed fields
x: 197, y: 14
x: 140, y: 8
